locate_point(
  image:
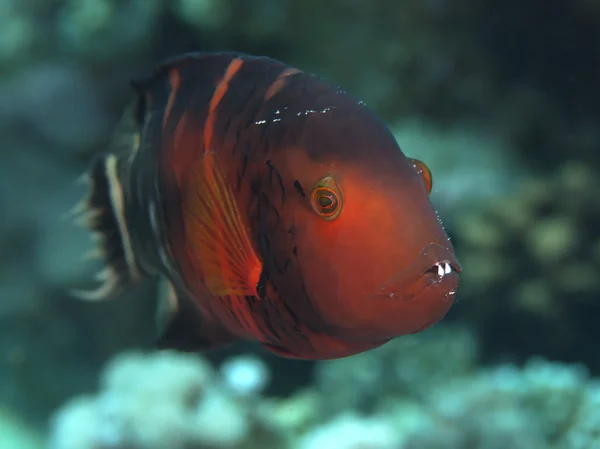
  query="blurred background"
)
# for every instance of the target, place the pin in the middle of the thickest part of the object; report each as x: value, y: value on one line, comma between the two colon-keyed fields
x: 500, y: 99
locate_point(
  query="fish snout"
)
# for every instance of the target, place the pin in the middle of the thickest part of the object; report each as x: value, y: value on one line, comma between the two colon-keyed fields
x: 443, y: 271
x: 434, y: 265
x: 421, y: 294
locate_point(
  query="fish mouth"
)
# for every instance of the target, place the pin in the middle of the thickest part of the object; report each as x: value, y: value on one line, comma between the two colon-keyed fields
x: 436, y: 267
x: 414, y: 298
x: 444, y: 268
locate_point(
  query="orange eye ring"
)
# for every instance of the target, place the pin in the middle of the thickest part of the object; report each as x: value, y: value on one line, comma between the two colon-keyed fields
x: 424, y: 173
x: 326, y: 199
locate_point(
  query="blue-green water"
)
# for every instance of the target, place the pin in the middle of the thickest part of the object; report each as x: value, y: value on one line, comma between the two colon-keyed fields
x: 500, y: 99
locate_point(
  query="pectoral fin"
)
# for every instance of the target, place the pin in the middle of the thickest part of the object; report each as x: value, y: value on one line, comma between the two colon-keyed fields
x: 218, y: 237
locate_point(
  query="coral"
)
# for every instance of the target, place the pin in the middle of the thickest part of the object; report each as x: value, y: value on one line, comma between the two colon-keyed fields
x: 543, y: 405
x: 89, y: 30
x: 530, y: 263
x: 350, y: 431
x: 102, y: 29
x: 201, y: 14
x: 152, y: 401
x: 468, y: 163
x: 538, y: 406
x: 157, y: 401
x: 245, y: 375
x: 16, y: 434
x: 404, y: 368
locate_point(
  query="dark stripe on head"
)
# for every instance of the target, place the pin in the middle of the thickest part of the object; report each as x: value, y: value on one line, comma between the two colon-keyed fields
x: 273, y: 170
x: 299, y: 188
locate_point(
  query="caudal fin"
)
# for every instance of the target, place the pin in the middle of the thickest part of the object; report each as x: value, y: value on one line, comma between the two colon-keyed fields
x: 102, y: 212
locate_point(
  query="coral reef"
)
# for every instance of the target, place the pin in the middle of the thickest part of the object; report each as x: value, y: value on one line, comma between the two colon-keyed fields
x: 92, y: 31
x: 469, y: 162
x: 16, y: 434
x: 530, y: 262
x: 419, y: 394
x: 164, y: 400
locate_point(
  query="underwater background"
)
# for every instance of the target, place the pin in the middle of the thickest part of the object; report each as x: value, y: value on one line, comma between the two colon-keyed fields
x: 501, y: 99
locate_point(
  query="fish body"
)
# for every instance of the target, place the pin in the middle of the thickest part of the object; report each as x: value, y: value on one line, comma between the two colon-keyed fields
x: 278, y: 208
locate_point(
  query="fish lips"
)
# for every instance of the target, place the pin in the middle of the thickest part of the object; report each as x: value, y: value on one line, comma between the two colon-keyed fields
x: 426, y: 289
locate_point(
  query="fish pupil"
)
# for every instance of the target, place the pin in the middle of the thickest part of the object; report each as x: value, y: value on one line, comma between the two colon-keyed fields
x: 326, y: 201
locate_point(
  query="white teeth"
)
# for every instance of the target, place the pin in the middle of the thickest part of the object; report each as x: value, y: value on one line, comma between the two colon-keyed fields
x: 440, y: 270
x: 443, y: 269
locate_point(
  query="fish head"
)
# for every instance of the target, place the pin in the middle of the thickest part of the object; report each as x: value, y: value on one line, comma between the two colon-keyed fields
x: 375, y: 259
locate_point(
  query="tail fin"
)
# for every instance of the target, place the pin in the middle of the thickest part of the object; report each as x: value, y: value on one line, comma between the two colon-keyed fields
x: 102, y: 212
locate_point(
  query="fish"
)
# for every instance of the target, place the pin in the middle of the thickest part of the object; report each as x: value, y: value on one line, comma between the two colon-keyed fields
x: 274, y: 206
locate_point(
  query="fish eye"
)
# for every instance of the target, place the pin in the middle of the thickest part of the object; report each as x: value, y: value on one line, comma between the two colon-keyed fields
x: 326, y: 199
x: 424, y: 173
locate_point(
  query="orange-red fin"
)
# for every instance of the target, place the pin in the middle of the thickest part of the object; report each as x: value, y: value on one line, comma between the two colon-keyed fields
x: 183, y: 328
x: 218, y: 237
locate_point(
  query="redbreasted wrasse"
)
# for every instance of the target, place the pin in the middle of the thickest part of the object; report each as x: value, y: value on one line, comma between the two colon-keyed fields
x: 279, y: 209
